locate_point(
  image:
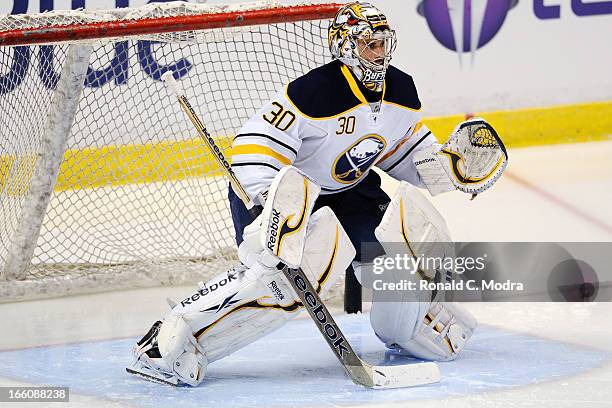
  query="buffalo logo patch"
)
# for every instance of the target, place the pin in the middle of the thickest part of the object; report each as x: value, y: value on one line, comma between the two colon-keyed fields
x: 355, y: 161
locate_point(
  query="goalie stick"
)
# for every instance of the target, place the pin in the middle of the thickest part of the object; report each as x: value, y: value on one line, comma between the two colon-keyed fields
x: 362, y: 373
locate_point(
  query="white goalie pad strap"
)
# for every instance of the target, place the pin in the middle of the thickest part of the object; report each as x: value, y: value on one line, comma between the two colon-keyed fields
x: 250, y: 250
x: 286, y: 213
x: 473, y: 158
x: 443, y: 332
x: 437, y: 332
x: 411, y: 225
x: 180, y: 352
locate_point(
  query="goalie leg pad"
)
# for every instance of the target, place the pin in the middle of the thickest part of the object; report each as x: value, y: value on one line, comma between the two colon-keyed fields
x: 418, y: 324
x: 428, y: 330
x: 236, y: 308
x: 286, y: 215
x: 222, y: 316
x: 412, y: 225
x: 279, y: 232
x: 328, y: 251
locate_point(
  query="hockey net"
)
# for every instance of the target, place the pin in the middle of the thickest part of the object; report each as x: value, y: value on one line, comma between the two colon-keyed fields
x: 107, y: 186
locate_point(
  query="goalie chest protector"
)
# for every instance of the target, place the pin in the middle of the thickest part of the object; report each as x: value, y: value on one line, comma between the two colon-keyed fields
x: 331, y: 128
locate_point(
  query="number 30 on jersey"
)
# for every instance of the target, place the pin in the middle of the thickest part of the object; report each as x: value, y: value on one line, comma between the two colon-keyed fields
x: 347, y: 125
x: 279, y: 117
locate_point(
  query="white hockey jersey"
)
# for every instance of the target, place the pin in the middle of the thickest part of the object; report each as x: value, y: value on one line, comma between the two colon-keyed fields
x: 323, y: 125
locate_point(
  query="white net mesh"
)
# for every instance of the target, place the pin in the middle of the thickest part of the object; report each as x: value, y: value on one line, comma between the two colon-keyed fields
x: 138, y: 200
x: 149, y: 11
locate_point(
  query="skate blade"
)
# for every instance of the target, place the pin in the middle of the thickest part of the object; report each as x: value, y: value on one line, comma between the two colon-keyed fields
x: 152, y: 378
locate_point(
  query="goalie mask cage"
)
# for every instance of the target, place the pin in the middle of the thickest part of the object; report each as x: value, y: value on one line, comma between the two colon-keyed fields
x: 104, y: 184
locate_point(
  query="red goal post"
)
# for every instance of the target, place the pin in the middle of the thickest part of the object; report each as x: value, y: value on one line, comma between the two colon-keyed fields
x: 46, y: 34
x: 106, y: 186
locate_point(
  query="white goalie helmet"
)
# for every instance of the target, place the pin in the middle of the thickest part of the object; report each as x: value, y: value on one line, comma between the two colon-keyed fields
x: 361, y: 38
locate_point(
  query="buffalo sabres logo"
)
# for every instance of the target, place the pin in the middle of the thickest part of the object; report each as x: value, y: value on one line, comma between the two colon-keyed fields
x: 354, y: 162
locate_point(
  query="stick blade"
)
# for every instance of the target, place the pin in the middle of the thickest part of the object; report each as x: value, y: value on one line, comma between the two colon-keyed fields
x: 409, y: 375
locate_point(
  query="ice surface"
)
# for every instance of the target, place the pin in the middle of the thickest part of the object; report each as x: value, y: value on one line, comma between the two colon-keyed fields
x: 294, y: 367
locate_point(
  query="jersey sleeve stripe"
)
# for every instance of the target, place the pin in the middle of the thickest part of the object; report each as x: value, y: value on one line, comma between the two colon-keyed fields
x: 391, y: 167
x: 417, y: 127
x: 396, y: 148
x: 255, y: 164
x: 261, y: 135
x: 405, y: 139
x: 262, y: 150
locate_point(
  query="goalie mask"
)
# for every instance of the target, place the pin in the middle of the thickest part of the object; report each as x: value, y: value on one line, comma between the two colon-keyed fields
x: 361, y: 38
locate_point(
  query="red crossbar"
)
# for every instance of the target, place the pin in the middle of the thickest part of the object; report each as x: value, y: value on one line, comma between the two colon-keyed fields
x: 123, y: 28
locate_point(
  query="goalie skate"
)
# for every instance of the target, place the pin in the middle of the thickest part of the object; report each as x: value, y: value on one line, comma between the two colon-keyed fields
x: 148, y: 363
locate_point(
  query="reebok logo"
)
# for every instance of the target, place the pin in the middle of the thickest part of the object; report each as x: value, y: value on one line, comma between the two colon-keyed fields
x: 418, y: 163
x: 273, y: 232
x: 276, y: 291
x: 320, y: 316
x: 227, y: 302
x: 206, y: 290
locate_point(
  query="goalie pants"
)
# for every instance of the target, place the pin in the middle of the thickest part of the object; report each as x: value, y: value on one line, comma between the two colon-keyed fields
x: 359, y: 210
